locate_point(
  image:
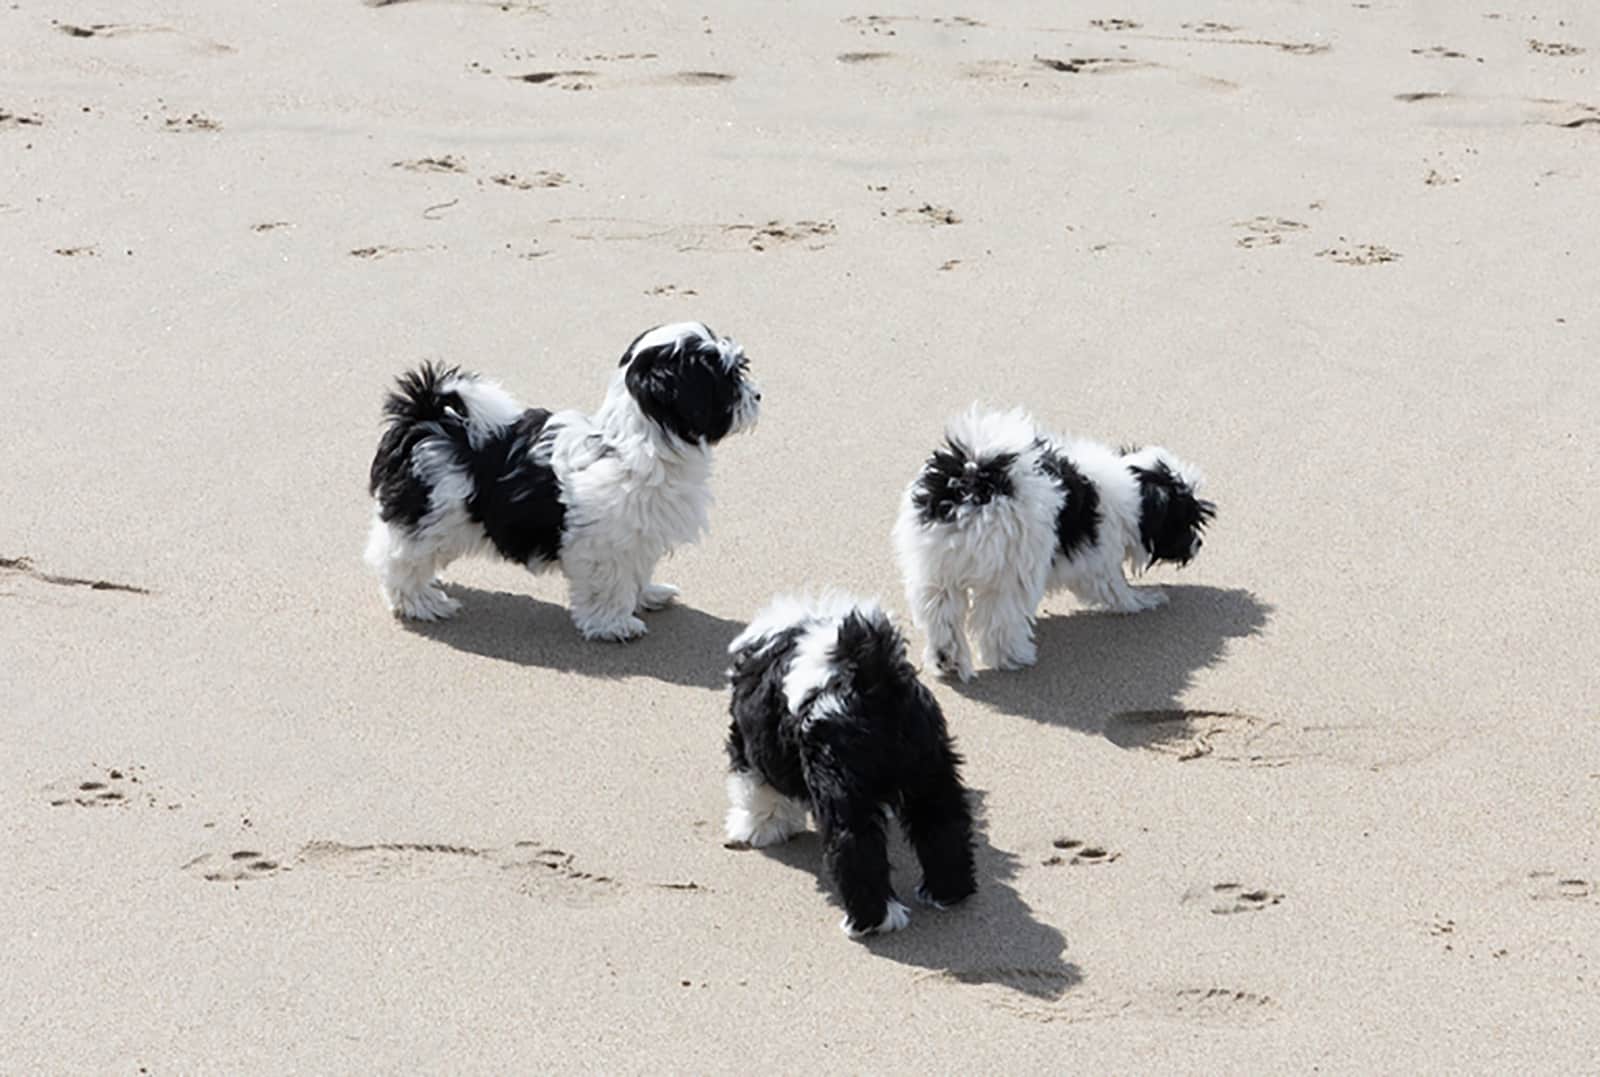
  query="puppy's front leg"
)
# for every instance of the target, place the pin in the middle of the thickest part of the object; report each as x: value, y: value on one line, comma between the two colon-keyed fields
x: 1123, y: 597
x: 603, y: 600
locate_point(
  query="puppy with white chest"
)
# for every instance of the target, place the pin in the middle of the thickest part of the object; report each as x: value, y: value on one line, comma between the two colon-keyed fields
x: 1005, y: 512
x: 463, y: 468
x: 829, y: 716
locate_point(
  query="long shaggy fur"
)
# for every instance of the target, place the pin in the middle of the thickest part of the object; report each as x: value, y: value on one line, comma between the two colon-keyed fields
x: 463, y: 468
x: 829, y: 716
x: 1004, y: 511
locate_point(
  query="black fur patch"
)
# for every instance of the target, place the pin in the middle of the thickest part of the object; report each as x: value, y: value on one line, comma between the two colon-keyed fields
x: 684, y: 387
x: 1171, y: 517
x: 879, y: 740
x: 951, y: 478
x: 1078, y: 523
x: 516, y: 498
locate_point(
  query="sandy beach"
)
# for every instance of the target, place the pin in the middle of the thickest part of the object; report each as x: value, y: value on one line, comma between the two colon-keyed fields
x: 1332, y: 810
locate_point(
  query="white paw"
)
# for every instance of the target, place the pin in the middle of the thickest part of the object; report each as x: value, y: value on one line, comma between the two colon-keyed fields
x: 1139, y: 599
x: 428, y: 604
x: 759, y: 831
x: 1019, y: 658
x: 657, y: 596
x: 895, y: 918
x: 928, y: 899
x: 618, y: 630
x: 948, y: 664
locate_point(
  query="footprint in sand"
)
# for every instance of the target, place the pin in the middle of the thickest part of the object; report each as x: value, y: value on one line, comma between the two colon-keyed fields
x: 1359, y: 254
x: 1237, y: 739
x: 692, y: 236
x: 1225, y: 899
x: 1114, y: 24
x: 1048, y: 997
x: 242, y: 865
x: 106, y: 787
x: 1552, y: 886
x: 383, y: 251
x: 584, y: 78
x: 529, y: 867
x: 670, y: 289
x: 928, y: 213
x: 1554, y: 48
x: 86, y: 251
x: 861, y: 57
x: 192, y: 122
x: 17, y: 119
x: 1266, y: 231
x: 270, y: 226
x: 111, y: 30
x: 1439, y: 52
x: 1210, y: 28
x: 885, y: 24
x: 542, y: 178
x: 444, y: 163
x: 1077, y: 853
x: 1091, y: 65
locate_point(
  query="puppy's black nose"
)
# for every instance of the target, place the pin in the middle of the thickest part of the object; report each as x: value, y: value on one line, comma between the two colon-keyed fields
x: 758, y: 397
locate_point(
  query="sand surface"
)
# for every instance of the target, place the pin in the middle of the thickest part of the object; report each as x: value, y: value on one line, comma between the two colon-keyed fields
x: 1339, y: 799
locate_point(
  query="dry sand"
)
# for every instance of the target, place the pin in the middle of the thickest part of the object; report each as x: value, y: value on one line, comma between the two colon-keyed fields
x: 1343, y: 790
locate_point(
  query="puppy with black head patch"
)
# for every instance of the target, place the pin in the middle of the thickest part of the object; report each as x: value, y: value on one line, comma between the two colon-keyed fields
x: 463, y: 468
x: 1005, y: 512
x: 829, y: 717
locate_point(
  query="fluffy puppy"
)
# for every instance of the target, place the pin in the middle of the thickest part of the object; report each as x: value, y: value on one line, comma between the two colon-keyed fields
x: 463, y: 468
x: 1005, y: 511
x: 829, y: 716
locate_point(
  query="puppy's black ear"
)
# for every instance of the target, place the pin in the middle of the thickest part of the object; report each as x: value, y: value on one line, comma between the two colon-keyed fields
x: 683, y: 388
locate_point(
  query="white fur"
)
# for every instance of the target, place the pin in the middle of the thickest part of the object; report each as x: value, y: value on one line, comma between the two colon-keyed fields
x: 758, y: 814
x: 819, y: 616
x: 990, y: 567
x: 895, y: 918
x: 632, y: 492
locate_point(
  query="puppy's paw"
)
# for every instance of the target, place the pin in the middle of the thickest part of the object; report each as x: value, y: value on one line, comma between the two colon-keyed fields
x: 758, y: 833
x: 617, y: 630
x: 429, y: 604
x: 1018, y: 658
x: 657, y: 596
x: 948, y: 663
x: 1138, y: 600
x: 895, y: 918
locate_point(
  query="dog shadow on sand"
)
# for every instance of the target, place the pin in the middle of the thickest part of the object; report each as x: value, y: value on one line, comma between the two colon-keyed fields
x: 993, y: 937
x: 684, y: 645
x: 1106, y: 673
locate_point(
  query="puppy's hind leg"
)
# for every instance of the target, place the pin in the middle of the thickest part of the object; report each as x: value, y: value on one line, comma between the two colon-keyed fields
x: 938, y: 823
x: 941, y: 613
x: 406, y: 565
x: 854, y: 849
x: 759, y: 815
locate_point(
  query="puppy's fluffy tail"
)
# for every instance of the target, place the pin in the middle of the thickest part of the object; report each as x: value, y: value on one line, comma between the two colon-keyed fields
x: 426, y: 395
x: 974, y: 466
x: 424, y: 403
x: 871, y: 648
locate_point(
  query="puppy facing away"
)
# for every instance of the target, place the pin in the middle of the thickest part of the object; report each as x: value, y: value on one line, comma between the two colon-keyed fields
x: 1005, y: 512
x: 828, y: 715
x: 463, y: 468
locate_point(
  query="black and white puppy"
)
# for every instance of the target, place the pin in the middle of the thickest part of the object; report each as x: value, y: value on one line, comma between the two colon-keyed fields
x: 1005, y: 512
x: 463, y: 468
x: 828, y: 715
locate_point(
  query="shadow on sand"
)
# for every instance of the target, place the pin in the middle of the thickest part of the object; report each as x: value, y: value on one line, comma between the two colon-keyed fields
x: 991, y: 938
x: 684, y: 646
x: 1094, y: 667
